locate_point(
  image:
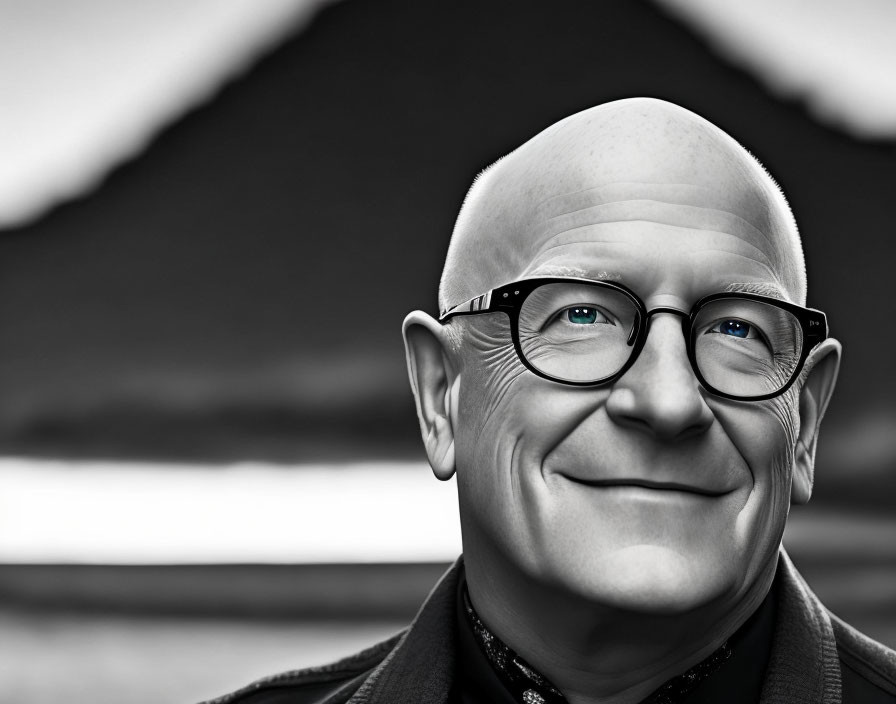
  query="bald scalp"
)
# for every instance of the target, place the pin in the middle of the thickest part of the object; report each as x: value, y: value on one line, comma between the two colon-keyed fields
x: 618, y: 156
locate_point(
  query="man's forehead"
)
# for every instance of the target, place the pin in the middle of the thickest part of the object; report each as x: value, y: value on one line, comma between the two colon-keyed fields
x: 631, y: 164
x: 633, y: 161
x: 640, y: 197
x: 563, y: 218
x: 637, y: 231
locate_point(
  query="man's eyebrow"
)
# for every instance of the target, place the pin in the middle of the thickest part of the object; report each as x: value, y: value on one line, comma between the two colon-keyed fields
x: 761, y: 288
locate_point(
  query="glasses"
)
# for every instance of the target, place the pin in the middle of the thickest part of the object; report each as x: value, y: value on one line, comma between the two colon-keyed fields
x: 585, y: 333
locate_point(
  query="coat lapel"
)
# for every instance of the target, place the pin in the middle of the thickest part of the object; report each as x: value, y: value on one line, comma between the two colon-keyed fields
x: 420, y: 669
x: 804, y: 667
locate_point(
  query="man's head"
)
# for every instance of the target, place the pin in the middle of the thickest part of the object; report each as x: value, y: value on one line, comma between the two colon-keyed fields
x: 649, y: 492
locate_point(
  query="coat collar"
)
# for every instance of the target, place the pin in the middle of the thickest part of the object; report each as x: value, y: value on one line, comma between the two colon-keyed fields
x: 803, y: 668
x: 420, y: 668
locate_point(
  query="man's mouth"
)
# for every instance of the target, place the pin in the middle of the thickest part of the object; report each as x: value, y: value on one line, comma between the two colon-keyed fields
x: 649, y: 484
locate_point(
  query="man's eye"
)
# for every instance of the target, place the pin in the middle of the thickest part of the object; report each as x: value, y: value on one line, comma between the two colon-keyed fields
x: 732, y: 327
x: 585, y: 315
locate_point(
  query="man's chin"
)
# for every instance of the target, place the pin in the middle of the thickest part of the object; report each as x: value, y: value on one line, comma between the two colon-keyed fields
x: 650, y: 579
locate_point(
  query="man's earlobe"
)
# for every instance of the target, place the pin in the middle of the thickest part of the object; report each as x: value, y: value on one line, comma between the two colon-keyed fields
x: 814, y: 398
x: 432, y: 379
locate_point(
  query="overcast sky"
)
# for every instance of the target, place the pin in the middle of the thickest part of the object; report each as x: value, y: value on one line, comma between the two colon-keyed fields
x: 86, y: 83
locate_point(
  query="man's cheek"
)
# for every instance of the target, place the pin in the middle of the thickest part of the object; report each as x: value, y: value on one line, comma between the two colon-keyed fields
x: 785, y: 410
x: 495, y: 377
x: 490, y: 373
x: 763, y: 433
x: 488, y: 434
x: 781, y: 423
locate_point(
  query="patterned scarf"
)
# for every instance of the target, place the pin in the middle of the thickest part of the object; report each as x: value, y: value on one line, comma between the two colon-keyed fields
x: 528, y: 686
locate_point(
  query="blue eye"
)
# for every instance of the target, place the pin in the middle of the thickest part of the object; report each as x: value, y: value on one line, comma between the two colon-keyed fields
x: 735, y: 328
x: 581, y: 315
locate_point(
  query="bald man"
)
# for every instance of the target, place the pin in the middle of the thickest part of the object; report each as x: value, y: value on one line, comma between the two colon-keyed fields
x: 627, y: 384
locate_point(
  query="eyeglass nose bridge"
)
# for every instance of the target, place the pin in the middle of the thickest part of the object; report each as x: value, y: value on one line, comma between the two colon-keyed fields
x: 633, y: 335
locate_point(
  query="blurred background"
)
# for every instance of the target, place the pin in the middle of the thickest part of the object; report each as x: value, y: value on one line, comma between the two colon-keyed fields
x: 214, y: 217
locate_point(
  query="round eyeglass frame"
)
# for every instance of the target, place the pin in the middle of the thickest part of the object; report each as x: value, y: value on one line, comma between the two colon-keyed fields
x: 509, y: 299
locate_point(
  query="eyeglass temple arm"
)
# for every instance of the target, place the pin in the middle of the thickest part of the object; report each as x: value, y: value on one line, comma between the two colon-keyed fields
x: 474, y: 305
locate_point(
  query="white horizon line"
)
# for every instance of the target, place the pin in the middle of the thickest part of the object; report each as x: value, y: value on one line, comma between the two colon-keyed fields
x: 143, y: 513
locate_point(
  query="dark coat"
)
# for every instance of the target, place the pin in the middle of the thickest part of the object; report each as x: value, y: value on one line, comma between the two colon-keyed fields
x: 815, y: 659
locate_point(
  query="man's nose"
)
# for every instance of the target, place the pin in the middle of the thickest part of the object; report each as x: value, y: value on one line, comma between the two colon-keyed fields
x: 659, y: 394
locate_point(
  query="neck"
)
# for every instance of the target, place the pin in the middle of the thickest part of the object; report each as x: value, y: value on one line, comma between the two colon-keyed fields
x: 593, y: 653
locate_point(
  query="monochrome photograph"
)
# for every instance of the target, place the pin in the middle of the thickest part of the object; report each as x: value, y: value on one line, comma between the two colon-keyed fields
x: 391, y: 352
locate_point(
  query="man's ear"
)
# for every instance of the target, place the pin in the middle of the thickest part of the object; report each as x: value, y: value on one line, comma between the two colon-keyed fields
x: 432, y: 378
x: 823, y: 363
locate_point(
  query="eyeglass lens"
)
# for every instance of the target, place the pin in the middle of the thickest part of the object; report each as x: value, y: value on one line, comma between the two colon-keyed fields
x: 581, y: 333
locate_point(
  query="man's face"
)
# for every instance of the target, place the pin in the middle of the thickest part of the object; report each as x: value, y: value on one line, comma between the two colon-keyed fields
x: 649, y: 493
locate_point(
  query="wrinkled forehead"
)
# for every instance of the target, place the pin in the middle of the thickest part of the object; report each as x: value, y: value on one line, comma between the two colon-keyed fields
x: 686, y: 205
x: 630, y: 162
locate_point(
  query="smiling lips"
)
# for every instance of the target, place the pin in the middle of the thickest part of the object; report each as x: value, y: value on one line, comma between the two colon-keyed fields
x: 648, y: 484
